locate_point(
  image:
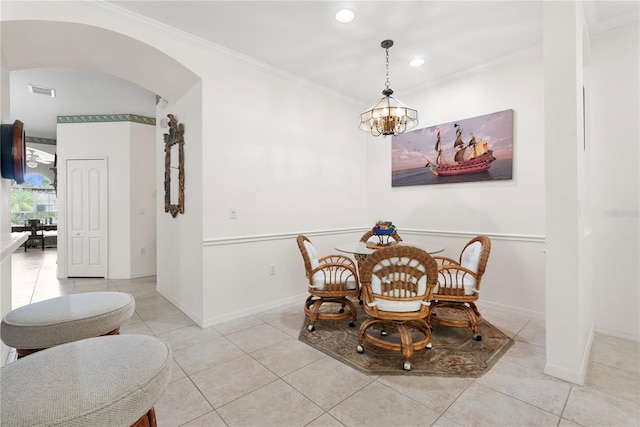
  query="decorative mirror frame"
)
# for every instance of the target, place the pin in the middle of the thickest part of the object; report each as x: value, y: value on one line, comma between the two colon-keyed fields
x: 175, y: 136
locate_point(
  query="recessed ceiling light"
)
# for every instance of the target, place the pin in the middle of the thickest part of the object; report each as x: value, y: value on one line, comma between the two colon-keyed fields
x: 416, y: 62
x: 345, y: 15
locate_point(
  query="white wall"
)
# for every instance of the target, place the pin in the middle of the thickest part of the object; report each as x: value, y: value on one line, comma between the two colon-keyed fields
x: 568, y: 277
x: 294, y: 162
x: 511, y: 212
x: 179, y: 239
x: 143, y: 147
x: 113, y: 142
x: 616, y: 180
x: 490, y: 207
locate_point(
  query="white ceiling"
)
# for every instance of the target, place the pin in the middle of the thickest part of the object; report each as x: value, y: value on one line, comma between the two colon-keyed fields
x: 301, y: 39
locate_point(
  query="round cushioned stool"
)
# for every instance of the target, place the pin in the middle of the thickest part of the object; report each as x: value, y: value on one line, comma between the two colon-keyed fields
x: 65, y: 319
x: 104, y: 381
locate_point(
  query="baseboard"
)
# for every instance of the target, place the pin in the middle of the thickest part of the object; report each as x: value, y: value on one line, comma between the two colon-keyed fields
x: 564, y: 374
x: 580, y: 376
x: 193, y: 316
x: 510, y: 309
x: 212, y: 321
x: 618, y: 334
x: 139, y: 275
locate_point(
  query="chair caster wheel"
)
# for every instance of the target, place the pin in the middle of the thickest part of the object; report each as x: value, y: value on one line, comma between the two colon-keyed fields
x: 311, y: 328
x: 341, y: 310
x: 477, y: 337
x: 352, y: 325
x: 406, y: 366
x: 360, y: 349
x: 428, y: 347
x: 383, y: 333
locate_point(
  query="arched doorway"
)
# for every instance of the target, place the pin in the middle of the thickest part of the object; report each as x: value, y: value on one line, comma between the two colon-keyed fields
x: 29, y: 44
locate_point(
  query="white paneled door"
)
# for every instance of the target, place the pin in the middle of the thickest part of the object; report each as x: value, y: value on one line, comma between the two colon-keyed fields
x: 87, y: 218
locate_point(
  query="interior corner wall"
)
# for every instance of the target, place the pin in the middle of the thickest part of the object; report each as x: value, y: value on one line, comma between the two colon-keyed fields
x: 143, y: 199
x: 615, y: 109
x: 179, y: 240
x: 569, y: 321
x: 111, y: 141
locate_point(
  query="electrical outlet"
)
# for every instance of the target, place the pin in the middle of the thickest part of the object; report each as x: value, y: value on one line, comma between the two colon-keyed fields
x: 272, y: 269
x: 233, y: 213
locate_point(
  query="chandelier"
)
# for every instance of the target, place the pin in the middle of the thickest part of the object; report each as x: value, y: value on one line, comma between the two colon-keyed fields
x: 389, y: 116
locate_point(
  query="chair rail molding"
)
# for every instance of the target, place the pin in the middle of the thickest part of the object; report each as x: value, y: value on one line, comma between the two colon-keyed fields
x: 276, y: 236
x: 329, y: 232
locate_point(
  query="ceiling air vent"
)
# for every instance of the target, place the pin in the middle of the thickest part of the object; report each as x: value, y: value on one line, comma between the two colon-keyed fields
x: 38, y: 90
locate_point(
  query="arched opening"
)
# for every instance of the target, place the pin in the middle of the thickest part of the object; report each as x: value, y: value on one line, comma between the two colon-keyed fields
x: 40, y: 44
x: 55, y: 45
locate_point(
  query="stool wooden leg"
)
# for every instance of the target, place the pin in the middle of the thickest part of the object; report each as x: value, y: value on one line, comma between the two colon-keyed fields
x: 147, y: 420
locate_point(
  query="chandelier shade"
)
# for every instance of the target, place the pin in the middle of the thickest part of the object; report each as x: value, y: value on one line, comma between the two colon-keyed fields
x: 389, y: 116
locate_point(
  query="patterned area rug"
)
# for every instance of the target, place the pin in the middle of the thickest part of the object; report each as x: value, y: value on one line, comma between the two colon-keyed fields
x: 454, y: 352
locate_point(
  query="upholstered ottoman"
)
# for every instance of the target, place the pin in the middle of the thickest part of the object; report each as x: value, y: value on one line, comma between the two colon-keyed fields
x: 105, y: 381
x: 64, y: 319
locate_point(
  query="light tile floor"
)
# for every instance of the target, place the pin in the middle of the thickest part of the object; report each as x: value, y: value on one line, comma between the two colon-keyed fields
x: 254, y: 372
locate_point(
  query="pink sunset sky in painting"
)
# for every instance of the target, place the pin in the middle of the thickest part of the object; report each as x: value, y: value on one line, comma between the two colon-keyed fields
x: 414, y: 148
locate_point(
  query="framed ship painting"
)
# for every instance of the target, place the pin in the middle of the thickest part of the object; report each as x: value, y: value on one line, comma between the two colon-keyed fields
x: 469, y: 150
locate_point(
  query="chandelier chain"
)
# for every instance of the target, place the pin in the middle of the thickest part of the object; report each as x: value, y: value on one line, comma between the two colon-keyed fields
x: 387, y: 84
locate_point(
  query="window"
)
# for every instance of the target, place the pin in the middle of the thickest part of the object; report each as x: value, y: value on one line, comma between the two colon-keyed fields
x: 35, y: 198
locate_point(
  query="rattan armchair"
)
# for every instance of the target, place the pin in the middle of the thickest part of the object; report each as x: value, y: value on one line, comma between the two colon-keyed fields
x: 459, y: 285
x: 397, y: 284
x: 369, y: 234
x: 368, y: 237
x: 331, y: 279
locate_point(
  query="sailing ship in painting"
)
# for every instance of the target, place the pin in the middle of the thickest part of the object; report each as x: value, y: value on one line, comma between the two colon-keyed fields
x: 470, y: 157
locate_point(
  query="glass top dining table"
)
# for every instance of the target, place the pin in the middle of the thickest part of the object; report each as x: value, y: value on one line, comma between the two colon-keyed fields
x: 361, y: 251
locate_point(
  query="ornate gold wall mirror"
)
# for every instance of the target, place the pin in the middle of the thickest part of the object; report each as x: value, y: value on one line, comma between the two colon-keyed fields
x: 174, y: 167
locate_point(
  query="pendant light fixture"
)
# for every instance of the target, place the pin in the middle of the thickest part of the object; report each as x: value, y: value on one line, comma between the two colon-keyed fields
x: 389, y: 116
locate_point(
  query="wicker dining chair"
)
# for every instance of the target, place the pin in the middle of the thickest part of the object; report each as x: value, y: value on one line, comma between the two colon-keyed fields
x: 397, y: 284
x: 368, y: 237
x: 459, y: 285
x: 332, y: 279
x: 369, y: 234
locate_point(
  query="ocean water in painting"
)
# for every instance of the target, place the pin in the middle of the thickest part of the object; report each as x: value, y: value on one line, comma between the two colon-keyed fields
x: 500, y: 169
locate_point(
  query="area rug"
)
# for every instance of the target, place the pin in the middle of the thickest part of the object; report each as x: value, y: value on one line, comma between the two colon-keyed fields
x: 454, y: 352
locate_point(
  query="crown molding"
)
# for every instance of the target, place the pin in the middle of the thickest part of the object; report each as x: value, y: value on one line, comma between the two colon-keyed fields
x: 106, y: 118
x: 138, y: 20
x: 36, y: 140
